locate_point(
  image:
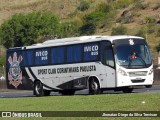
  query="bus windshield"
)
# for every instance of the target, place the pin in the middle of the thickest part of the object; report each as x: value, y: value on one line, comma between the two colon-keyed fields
x: 133, y: 56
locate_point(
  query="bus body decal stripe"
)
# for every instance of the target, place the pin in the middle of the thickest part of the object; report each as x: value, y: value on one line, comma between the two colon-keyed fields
x: 31, y: 72
x: 50, y: 87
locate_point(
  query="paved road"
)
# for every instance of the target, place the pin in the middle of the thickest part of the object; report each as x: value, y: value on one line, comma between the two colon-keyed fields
x: 17, y: 94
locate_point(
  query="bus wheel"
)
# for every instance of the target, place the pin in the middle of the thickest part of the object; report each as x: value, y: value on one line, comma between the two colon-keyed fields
x: 127, y: 90
x: 38, y: 89
x: 94, y: 87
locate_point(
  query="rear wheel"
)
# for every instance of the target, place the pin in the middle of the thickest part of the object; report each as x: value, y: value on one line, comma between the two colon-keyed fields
x: 94, y: 87
x: 38, y: 89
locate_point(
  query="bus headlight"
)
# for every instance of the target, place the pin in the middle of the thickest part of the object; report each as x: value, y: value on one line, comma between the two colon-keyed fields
x: 122, y: 72
x: 150, y: 72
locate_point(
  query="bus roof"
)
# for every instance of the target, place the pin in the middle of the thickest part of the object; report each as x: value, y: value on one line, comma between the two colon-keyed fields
x: 88, y: 39
x: 81, y: 39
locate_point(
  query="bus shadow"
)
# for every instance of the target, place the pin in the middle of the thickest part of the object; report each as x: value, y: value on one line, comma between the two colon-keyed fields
x: 78, y: 93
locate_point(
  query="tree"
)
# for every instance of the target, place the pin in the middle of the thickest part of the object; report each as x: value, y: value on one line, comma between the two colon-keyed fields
x: 25, y: 29
x: 84, y: 5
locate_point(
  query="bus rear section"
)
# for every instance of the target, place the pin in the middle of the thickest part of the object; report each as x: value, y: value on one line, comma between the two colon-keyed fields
x: 16, y: 75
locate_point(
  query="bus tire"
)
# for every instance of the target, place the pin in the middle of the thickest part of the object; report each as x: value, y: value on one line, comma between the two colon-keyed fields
x: 38, y: 89
x: 94, y: 87
x: 127, y: 90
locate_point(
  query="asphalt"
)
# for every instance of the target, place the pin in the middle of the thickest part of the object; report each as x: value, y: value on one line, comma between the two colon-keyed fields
x: 23, y: 94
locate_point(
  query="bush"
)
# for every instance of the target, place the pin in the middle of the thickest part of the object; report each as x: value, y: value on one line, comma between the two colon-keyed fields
x: 141, y: 33
x: 139, y: 5
x: 105, y: 8
x: 25, y: 29
x: 71, y: 27
x: 88, y: 29
x: 150, y: 19
x: 120, y: 4
x: 95, y: 16
x: 150, y: 28
x: 84, y: 5
x: 121, y: 30
x: 91, y: 21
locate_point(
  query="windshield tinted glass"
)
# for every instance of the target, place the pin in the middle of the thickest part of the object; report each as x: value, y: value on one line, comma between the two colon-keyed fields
x: 133, y: 56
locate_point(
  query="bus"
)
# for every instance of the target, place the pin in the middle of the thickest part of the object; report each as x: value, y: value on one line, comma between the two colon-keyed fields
x: 65, y: 65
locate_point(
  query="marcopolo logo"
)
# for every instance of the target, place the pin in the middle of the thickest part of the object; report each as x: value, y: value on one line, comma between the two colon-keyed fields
x: 15, y: 73
x: 131, y: 42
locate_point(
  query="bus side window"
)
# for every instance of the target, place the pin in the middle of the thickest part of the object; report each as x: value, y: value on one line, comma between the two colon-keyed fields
x: 74, y: 53
x: 58, y: 55
x: 109, y: 57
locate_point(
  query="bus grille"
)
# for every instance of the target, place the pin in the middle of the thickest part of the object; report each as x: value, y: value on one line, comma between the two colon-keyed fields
x: 137, y: 81
x: 139, y: 73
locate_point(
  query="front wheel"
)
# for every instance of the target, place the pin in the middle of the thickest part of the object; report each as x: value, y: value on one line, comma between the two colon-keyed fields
x: 94, y: 87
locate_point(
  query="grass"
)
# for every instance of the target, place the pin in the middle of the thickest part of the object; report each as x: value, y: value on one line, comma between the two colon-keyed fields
x: 104, y: 102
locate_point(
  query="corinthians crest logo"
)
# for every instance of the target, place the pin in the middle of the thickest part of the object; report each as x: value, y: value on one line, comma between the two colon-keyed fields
x: 15, y: 73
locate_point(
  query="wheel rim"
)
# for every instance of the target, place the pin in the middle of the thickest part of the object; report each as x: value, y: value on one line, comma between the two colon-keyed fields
x: 94, y: 86
x: 38, y: 88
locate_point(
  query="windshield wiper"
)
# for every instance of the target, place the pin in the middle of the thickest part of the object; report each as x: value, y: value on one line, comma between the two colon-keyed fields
x: 143, y: 61
x: 130, y: 61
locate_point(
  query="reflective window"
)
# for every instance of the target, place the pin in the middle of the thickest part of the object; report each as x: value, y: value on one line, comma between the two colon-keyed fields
x: 74, y: 53
x: 133, y: 55
x: 41, y: 56
x: 91, y: 52
x: 57, y: 55
x: 109, y: 57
